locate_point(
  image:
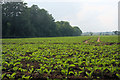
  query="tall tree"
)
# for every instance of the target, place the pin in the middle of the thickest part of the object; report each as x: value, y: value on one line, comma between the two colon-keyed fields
x: 91, y: 33
x: 19, y: 20
x: 42, y: 21
x: 65, y: 29
x: 76, y: 31
x: 11, y: 14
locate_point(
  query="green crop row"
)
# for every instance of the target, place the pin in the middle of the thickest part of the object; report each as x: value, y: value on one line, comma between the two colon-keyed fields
x: 60, y: 57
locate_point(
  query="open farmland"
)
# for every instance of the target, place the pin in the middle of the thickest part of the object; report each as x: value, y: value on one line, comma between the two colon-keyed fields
x: 68, y: 58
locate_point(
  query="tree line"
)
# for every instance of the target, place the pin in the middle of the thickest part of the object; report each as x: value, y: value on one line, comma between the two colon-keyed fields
x: 19, y: 20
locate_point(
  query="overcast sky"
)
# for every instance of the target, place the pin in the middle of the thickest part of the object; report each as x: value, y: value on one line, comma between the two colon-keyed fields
x: 88, y: 15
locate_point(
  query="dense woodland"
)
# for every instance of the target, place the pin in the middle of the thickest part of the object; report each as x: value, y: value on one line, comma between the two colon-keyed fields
x: 19, y: 20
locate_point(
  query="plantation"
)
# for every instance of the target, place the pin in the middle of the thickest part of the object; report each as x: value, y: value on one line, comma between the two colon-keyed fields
x: 66, y: 58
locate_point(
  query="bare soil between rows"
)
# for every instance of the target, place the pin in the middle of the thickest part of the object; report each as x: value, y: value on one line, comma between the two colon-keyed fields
x: 100, y: 42
x: 57, y: 74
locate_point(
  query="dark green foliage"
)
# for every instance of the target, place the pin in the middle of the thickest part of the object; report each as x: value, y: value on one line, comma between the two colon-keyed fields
x: 65, y: 29
x: 76, y: 31
x: 116, y: 32
x: 19, y: 20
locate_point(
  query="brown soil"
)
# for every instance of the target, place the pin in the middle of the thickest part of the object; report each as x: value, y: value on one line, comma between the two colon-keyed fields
x: 34, y: 64
x: 98, y: 40
x: 86, y: 41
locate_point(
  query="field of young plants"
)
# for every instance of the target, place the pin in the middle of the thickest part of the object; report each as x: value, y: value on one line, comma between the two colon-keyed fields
x: 68, y: 58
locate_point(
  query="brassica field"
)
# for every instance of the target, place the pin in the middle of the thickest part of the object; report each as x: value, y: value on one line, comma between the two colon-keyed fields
x: 68, y: 58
